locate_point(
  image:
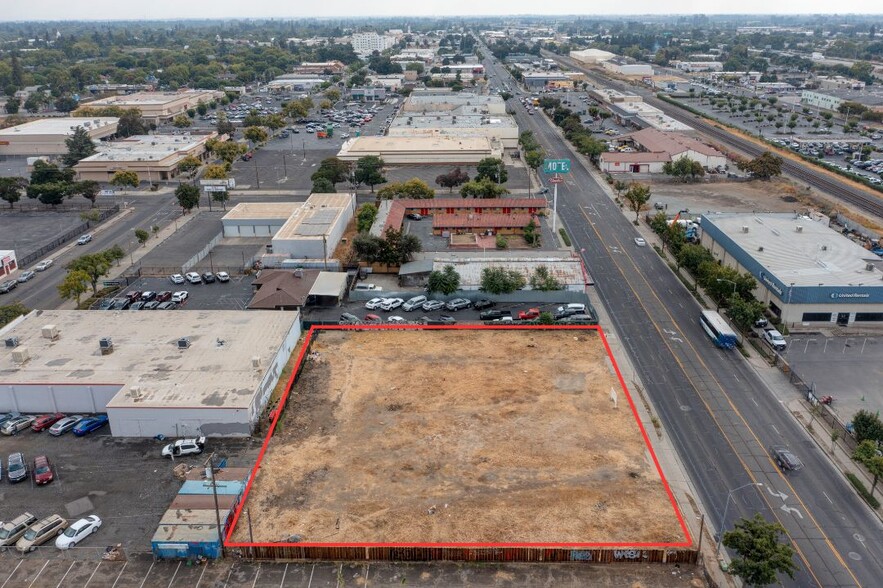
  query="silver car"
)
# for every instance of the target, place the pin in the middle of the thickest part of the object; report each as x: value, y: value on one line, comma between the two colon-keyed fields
x: 26, y: 276
x: 64, y: 425
x: 14, y: 425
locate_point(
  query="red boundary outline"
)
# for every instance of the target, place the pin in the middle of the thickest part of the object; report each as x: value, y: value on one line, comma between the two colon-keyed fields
x: 687, y: 543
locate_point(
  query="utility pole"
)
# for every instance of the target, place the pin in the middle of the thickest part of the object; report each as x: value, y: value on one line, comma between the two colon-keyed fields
x: 211, y: 471
x: 284, y: 166
x: 257, y: 178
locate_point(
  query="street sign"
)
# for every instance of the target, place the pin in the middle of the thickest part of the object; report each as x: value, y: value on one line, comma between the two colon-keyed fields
x: 215, y: 188
x: 213, y: 183
x: 112, y: 283
x: 556, y: 166
x: 556, y: 180
x: 107, y: 192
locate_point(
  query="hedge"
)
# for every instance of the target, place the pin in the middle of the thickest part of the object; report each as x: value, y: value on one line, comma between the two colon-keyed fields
x: 860, y: 488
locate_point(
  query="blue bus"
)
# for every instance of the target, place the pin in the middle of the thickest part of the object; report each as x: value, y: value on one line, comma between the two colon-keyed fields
x: 718, y: 329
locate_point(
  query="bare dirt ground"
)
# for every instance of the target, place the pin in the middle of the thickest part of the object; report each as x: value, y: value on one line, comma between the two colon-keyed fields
x: 773, y: 196
x: 459, y: 436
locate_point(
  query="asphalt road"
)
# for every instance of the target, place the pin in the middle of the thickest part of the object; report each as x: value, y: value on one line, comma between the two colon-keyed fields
x: 145, y: 211
x: 720, y: 414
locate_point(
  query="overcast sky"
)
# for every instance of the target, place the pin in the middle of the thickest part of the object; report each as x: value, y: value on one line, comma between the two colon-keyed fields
x: 16, y: 10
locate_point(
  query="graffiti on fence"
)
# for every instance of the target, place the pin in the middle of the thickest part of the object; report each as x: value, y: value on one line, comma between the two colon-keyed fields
x: 629, y: 554
x: 580, y: 555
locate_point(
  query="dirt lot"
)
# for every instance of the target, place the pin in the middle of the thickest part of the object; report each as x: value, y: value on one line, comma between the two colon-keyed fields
x: 773, y: 196
x: 411, y: 436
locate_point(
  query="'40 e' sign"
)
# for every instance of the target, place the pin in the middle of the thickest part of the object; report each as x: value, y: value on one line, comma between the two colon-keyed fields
x: 556, y: 166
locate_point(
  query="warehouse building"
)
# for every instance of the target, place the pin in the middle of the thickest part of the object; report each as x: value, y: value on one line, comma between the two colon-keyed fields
x: 172, y: 373
x: 154, y: 158
x: 436, y: 150
x: 592, y: 56
x: 157, y: 107
x: 498, y: 129
x: 315, y: 228
x: 655, y: 148
x: 258, y: 219
x: 47, y: 136
x: 807, y: 273
x: 431, y: 102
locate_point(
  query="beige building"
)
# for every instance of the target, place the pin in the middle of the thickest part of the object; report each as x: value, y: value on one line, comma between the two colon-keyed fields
x: 157, y: 107
x: 154, y: 158
x: 314, y: 230
x: 500, y: 130
x: 421, y: 150
x: 46, y: 136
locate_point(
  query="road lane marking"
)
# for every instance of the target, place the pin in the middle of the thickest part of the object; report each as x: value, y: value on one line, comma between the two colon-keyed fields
x: 828, y: 497
x: 65, y: 575
x: 776, y: 430
x: 198, y: 582
x: 310, y: 583
x: 257, y: 574
x: 229, y: 573
x: 791, y: 510
x: 284, y: 573
x: 46, y: 563
x: 755, y: 402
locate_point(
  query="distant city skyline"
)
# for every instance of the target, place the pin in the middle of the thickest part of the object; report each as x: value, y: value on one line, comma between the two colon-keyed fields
x: 47, y: 10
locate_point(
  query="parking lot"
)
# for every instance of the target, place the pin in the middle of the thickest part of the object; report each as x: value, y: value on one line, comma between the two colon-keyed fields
x: 25, y: 232
x: 122, y: 480
x: 232, y: 295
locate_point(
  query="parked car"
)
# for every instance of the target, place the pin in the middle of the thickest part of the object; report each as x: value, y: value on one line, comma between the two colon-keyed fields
x: 433, y: 305
x: 208, y: 278
x: 164, y: 296
x: 42, y: 470
x: 151, y: 305
x: 396, y: 319
x: 414, y: 303
x: 775, y: 339
x: 447, y: 320
x: 785, y: 459
x: 349, y: 319
x: 529, y: 314
x: 16, y: 424
x: 183, y: 447
x: 193, y: 278
x: 120, y: 304
x: 176, y: 279
x: 223, y: 276
x: 578, y: 319
x: 11, y: 531
x: 374, y: 303
x: 78, y: 531
x: 84, y: 239
x: 415, y: 216
x: 180, y: 296
x: 41, y: 532
x: 8, y: 286
x: 6, y: 416
x: 490, y: 315
x: 89, y: 424
x: 44, y: 265
x: 147, y: 296
x: 25, y: 276
x: 133, y: 296
x: 484, y: 303
x: 64, y: 425
x: 167, y: 305
x: 44, y: 421
x: 391, y: 304
x: 373, y: 319
x: 137, y: 306
x: 458, y: 304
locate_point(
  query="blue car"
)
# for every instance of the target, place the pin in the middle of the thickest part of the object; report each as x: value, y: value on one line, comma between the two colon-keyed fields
x: 89, y: 424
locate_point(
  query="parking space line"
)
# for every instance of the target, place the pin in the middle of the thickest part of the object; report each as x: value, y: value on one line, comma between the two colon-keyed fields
x: 45, y: 563
x: 367, y: 571
x: 230, y: 573
x: 198, y: 582
x: 173, y: 575
x: 118, y: 575
x: 147, y: 575
x: 93, y: 575
x: 19, y: 563
x: 256, y: 576
x: 65, y: 574
x: 284, y: 573
x: 310, y: 583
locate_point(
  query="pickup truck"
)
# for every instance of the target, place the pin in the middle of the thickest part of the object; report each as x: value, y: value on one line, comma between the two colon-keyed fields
x: 774, y: 339
x: 529, y: 314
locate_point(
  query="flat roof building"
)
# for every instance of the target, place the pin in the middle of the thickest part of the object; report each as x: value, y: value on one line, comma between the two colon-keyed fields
x: 656, y: 148
x: 806, y: 272
x: 175, y: 373
x: 497, y: 128
x: 314, y: 230
x: 46, y: 136
x: 432, y: 102
x: 592, y: 56
x: 154, y: 158
x: 258, y: 219
x: 421, y: 150
x: 157, y: 107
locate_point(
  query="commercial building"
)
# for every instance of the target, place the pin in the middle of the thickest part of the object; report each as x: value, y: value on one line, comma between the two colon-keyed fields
x: 642, y: 115
x: 499, y: 130
x: 368, y: 94
x: 366, y: 43
x: 592, y: 56
x: 806, y: 272
x: 295, y: 83
x: 627, y: 67
x: 157, y: 107
x: 486, y: 224
x: 534, y: 80
x: 460, y: 103
x: 696, y: 66
x: 392, y: 213
x: 314, y: 230
x: 820, y: 100
x: 8, y: 264
x: 321, y: 68
x: 175, y: 373
x: 568, y: 271
x: 390, y: 83
x: 277, y: 289
x: 839, y: 83
x: 655, y: 148
x: 154, y: 158
x: 258, y: 219
x: 46, y: 136
x: 434, y: 150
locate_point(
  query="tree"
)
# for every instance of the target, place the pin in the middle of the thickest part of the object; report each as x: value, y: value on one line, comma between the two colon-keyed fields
x: 866, y: 454
x: 297, y: 108
x: 224, y: 126
x: 333, y: 169
x: 365, y: 217
x: 497, y: 280
x: 222, y: 197
x: 683, y: 167
x: 445, y: 282
x: 10, y: 312
x: 531, y: 234
x: 394, y: 248
x: 760, y: 554
x: 322, y: 185
x: 33, y: 102
x: 274, y: 122
x: 88, y: 189
x: 44, y: 173
x: 637, y: 196
x: 123, y: 178
x: 189, y: 165
x: 50, y: 193
x: 692, y: 256
x: 257, y: 135
x: 13, y: 105
x: 867, y: 426
x: 79, y: 146
x: 182, y: 121
x: 744, y: 313
x: 65, y: 103
x: 10, y: 189
x: 764, y: 166
x: 493, y: 169
x: 228, y: 151
x: 74, y: 285
x: 188, y: 197
x: 534, y: 158
x: 96, y: 265
x: 333, y: 94
x: 413, y: 188
x: 201, y: 108
x: 130, y: 123
x: 452, y: 179
x: 369, y: 170
x: 142, y: 236
x: 215, y: 172
x: 483, y: 188
x: 542, y: 279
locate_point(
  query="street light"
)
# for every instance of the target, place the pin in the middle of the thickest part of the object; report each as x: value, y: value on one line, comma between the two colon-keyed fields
x: 726, y: 280
x: 720, y: 530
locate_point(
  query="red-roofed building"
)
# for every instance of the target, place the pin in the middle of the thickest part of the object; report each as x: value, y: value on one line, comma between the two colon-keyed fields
x: 493, y: 223
x: 654, y: 148
x: 392, y: 213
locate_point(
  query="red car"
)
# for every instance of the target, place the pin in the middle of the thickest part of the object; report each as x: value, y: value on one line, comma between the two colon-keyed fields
x: 44, y: 421
x: 529, y: 314
x: 164, y: 296
x: 42, y: 470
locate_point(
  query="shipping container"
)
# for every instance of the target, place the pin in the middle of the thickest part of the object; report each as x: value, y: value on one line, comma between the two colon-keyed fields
x: 226, y: 474
x: 190, y: 517
x: 226, y: 502
x: 233, y: 488
x: 186, y: 541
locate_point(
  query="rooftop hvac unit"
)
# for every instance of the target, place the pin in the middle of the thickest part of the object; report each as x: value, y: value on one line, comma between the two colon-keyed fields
x: 799, y: 229
x: 760, y: 248
x: 20, y: 355
x: 50, y: 332
x: 824, y: 247
x: 744, y: 228
x: 183, y: 343
x: 869, y: 267
x: 12, y: 342
x: 105, y: 343
x: 135, y: 392
x: 256, y: 362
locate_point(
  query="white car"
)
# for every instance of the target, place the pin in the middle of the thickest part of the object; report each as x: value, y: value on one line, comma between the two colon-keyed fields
x: 396, y: 319
x: 391, y: 304
x: 193, y: 277
x: 84, y: 239
x: 176, y: 279
x: 374, y: 303
x: 180, y: 297
x: 44, y: 265
x: 183, y: 447
x: 223, y: 276
x: 78, y: 531
x: 640, y: 242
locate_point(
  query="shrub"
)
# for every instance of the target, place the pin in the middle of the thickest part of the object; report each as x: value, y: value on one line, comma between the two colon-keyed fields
x: 860, y: 488
x: 564, y: 236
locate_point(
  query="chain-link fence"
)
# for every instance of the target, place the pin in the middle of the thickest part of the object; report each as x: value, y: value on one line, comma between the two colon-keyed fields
x: 33, y: 256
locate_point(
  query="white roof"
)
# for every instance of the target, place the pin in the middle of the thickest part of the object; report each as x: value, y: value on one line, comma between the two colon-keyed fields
x: 262, y: 210
x: 568, y: 271
x: 329, y: 284
x: 59, y: 126
x: 316, y: 218
x: 145, y: 147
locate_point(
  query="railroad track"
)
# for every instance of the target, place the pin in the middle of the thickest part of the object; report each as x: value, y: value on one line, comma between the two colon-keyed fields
x: 814, y: 178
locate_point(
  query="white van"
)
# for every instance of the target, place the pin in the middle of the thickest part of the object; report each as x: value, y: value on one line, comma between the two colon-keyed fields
x: 414, y: 303
x: 368, y: 287
x: 573, y: 308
